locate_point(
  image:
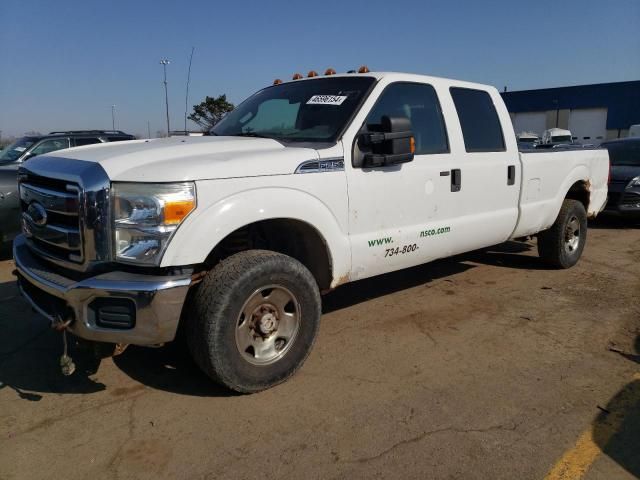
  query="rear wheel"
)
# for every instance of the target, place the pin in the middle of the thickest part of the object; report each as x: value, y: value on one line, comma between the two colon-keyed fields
x: 253, y: 320
x: 563, y: 243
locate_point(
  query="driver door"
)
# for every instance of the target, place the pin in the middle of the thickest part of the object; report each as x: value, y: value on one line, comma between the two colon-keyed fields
x: 401, y: 215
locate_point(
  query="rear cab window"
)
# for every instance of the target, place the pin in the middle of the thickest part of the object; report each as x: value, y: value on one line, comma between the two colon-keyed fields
x: 479, y: 120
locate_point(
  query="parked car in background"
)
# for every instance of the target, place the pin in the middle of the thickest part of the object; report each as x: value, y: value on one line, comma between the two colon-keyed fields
x: 30, y: 146
x: 624, y: 183
x: 527, y: 140
x: 555, y: 136
x: 634, y: 131
x: 14, y: 155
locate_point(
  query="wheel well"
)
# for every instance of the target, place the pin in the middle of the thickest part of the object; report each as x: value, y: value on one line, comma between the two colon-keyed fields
x: 283, y: 235
x: 580, y: 191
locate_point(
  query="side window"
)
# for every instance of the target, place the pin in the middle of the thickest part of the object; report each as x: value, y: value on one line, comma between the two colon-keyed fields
x: 479, y: 120
x: 419, y: 103
x: 86, y: 141
x: 50, y: 145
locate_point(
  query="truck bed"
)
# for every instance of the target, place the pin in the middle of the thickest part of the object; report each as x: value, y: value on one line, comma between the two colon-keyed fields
x: 547, y: 175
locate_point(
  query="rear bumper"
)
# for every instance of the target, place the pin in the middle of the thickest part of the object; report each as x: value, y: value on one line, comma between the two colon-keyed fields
x: 155, y: 301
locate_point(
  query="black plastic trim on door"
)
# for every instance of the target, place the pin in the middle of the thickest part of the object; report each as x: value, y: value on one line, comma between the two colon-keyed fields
x: 511, y: 175
x: 456, y: 180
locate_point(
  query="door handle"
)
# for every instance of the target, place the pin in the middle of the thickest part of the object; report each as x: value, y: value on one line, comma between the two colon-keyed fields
x: 456, y: 180
x: 511, y: 175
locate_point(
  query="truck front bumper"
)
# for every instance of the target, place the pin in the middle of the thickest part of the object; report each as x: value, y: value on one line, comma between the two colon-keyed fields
x: 114, y: 307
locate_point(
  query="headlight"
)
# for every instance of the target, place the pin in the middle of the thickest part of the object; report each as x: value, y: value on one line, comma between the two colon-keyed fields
x: 635, y: 182
x: 145, y: 217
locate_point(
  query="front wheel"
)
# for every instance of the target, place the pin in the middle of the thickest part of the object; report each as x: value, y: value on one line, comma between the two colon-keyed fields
x: 252, y: 321
x: 563, y: 243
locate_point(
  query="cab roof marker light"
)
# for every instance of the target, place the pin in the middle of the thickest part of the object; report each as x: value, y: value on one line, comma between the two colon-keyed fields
x: 312, y: 73
x: 297, y: 76
x: 329, y: 71
x: 363, y: 69
x: 277, y: 81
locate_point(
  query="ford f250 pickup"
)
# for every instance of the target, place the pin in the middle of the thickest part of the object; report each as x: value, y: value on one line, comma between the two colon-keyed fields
x: 307, y: 185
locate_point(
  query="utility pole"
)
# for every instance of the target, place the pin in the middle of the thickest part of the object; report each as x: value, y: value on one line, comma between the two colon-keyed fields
x: 164, y: 62
x: 113, y: 117
x: 148, y: 129
x: 186, y: 97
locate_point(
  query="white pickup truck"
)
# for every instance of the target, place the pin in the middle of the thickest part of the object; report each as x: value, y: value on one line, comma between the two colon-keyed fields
x: 307, y: 185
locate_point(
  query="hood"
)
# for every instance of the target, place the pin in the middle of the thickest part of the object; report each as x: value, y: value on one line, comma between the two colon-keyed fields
x: 191, y: 158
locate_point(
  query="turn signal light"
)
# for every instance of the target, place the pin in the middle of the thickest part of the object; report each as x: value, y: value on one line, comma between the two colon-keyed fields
x: 363, y: 69
x: 277, y: 81
x: 175, y: 211
x: 312, y: 74
x: 297, y: 76
x: 329, y: 71
x: 412, y: 144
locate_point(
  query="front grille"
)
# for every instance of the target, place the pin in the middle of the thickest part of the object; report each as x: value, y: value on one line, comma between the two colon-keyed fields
x: 51, y: 216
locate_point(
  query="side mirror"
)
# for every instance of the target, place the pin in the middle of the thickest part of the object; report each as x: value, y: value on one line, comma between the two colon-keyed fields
x: 393, y: 145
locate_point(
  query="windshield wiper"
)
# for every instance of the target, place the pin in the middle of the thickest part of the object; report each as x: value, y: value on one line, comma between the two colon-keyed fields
x: 251, y: 134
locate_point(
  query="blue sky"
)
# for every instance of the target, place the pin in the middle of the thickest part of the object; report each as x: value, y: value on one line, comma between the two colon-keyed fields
x: 65, y: 62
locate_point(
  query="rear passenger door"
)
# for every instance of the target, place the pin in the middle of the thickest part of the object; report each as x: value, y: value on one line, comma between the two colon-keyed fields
x: 486, y: 205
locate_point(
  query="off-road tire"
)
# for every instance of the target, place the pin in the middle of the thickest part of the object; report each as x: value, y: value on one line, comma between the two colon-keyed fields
x: 553, y: 244
x: 213, y: 316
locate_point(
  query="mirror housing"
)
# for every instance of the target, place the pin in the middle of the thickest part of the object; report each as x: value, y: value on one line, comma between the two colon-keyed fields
x: 393, y: 145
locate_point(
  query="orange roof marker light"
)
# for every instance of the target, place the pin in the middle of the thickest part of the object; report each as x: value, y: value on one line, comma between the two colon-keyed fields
x: 312, y: 73
x: 297, y: 76
x: 363, y: 69
x: 277, y: 81
x: 329, y: 71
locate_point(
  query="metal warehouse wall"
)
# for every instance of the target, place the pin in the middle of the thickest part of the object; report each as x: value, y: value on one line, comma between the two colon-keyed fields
x: 621, y: 99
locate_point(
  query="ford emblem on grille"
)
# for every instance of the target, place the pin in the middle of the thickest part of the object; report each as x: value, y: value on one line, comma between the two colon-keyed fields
x: 37, y: 214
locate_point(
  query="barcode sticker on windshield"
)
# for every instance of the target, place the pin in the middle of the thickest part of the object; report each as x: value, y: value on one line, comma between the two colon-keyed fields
x: 327, y: 100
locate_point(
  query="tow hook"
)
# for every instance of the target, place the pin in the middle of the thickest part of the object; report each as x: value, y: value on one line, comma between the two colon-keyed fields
x: 67, y: 367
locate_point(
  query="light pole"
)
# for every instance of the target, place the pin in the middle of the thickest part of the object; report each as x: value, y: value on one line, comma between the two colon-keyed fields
x: 164, y: 62
x: 113, y: 117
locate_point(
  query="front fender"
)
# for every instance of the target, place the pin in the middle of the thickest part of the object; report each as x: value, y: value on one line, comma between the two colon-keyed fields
x: 212, y: 221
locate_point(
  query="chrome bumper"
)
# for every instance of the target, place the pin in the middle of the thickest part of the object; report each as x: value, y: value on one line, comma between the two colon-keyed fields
x: 158, y: 299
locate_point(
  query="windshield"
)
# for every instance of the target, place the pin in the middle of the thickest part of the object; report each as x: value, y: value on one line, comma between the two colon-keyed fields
x: 561, y: 139
x: 16, y: 149
x: 309, y: 110
x: 624, y: 154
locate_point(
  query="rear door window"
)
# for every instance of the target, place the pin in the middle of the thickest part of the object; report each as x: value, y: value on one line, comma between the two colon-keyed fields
x: 86, y: 141
x: 479, y: 120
